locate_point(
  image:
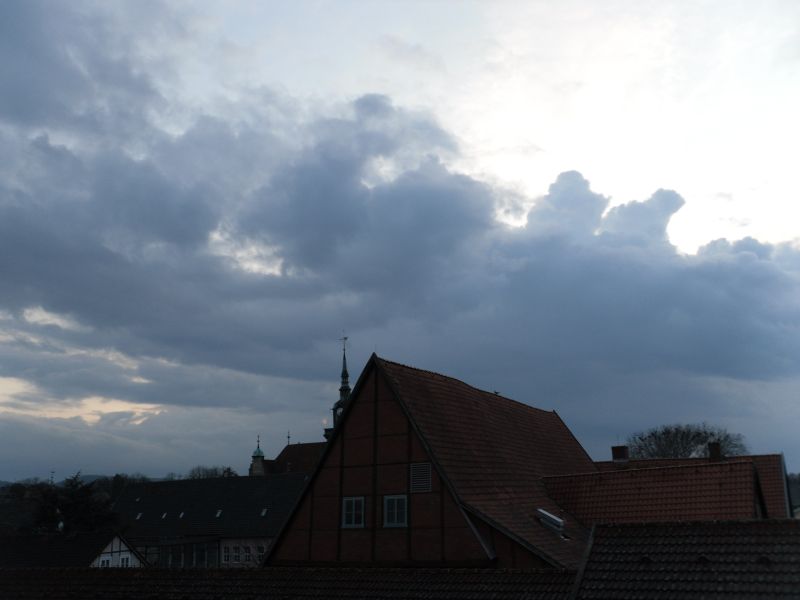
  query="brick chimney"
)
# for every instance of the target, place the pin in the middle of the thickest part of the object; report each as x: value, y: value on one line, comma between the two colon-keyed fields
x: 714, y: 451
x: 619, y: 454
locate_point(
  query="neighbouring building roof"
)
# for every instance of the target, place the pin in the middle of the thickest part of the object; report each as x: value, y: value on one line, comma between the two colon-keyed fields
x: 249, y: 507
x: 493, y: 451
x: 710, y: 491
x: 686, y: 561
x: 770, y: 468
x: 298, y: 458
x: 52, y: 550
x: 274, y: 582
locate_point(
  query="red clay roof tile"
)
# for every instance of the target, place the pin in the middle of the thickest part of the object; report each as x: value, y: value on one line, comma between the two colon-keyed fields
x: 494, y: 450
x: 710, y: 491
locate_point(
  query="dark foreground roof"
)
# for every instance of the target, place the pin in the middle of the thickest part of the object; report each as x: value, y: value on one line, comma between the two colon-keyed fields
x: 53, y: 550
x: 221, y: 507
x: 282, y: 583
x: 686, y: 561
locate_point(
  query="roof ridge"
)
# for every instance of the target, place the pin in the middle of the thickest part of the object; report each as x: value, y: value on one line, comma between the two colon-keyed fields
x: 648, y: 469
x: 477, y: 389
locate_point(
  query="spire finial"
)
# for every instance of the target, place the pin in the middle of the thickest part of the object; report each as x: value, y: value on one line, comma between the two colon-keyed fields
x: 258, y: 442
x: 288, y: 437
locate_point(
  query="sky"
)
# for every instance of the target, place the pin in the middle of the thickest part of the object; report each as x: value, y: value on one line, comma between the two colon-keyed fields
x: 589, y: 207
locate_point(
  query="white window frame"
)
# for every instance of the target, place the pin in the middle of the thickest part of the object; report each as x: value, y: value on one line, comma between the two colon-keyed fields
x: 124, y: 561
x: 349, y: 512
x: 237, y: 554
x: 393, y: 512
x: 226, y: 554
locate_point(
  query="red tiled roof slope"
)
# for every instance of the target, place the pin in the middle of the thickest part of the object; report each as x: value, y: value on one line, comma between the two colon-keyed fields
x: 715, y: 491
x: 494, y: 451
x: 274, y: 582
x: 770, y: 469
x: 688, y: 561
x: 298, y: 458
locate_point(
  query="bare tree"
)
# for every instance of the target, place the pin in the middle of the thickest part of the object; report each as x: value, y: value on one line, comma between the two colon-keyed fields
x: 684, y: 441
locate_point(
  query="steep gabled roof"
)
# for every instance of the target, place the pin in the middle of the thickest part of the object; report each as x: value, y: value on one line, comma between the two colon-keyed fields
x: 770, y: 468
x: 219, y: 507
x: 685, y: 561
x: 493, y: 452
x: 711, y: 491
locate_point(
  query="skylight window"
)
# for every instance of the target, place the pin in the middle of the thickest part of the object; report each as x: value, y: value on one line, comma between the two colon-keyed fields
x: 550, y: 521
x: 164, y: 516
x: 180, y: 516
x: 219, y: 512
x: 264, y: 512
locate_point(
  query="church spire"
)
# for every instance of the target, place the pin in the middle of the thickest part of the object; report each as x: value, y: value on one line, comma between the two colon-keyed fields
x: 344, y: 390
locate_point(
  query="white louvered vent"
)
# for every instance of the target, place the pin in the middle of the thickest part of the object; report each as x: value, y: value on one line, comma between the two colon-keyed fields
x: 420, y: 477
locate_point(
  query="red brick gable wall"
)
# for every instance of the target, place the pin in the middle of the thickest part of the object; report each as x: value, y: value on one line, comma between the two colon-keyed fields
x: 370, y: 456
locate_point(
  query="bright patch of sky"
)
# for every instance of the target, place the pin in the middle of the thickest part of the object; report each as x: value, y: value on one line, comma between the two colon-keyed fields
x: 699, y: 97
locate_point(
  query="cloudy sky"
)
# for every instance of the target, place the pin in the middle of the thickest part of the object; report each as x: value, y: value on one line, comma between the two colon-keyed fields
x: 590, y: 207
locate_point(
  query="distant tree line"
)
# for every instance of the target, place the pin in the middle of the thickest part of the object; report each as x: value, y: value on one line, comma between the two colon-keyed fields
x: 36, y: 506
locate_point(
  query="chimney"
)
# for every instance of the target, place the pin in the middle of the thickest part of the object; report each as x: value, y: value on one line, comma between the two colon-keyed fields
x: 714, y: 451
x: 619, y: 454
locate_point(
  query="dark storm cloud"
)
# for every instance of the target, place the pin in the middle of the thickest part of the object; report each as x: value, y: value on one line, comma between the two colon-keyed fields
x: 69, y: 68
x: 141, y: 237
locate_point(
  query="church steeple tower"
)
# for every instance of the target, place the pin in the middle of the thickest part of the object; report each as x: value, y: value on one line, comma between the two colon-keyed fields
x: 344, y: 391
x: 257, y: 466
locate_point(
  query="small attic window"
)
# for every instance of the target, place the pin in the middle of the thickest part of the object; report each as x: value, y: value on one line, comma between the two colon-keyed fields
x: 164, y: 516
x: 138, y: 516
x: 180, y: 516
x: 219, y: 512
x: 264, y: 512
x: 420, y: 477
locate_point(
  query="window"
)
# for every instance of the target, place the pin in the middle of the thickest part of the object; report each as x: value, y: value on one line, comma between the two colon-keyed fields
x: 138, y: 516
x: 237, y: 555
x: 264, y: 512
x: 260, y: 551
x: 105, y: 562
x: 395, y: 511
x: 353, y: 511
x: 124, y: 561
x: 164, y: 516
x: 219, y: 512
x: 420, y: 477
x: 247, y: 556
x: 226, y: 554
